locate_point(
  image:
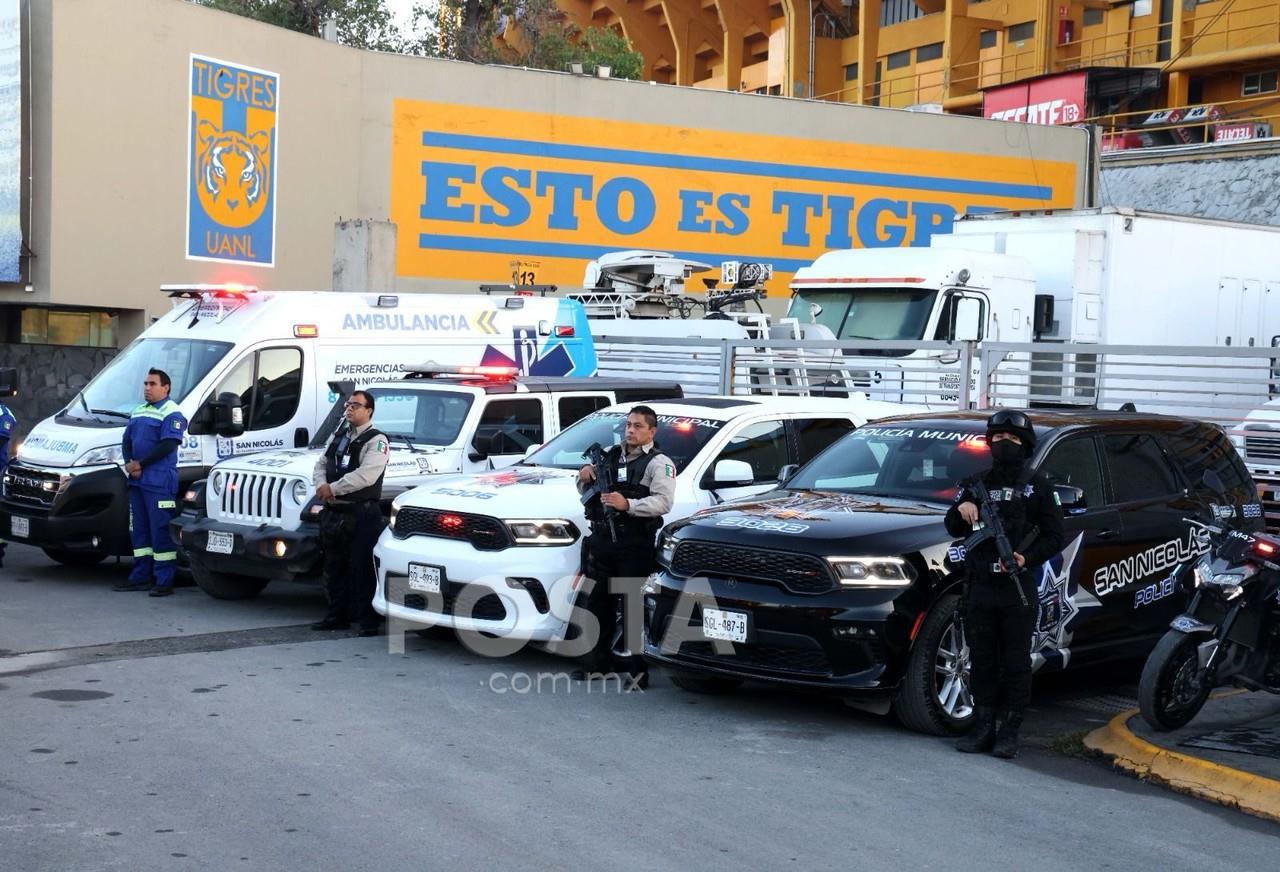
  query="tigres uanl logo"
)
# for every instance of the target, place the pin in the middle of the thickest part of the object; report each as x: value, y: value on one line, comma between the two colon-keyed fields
x: 232, y: 174
x: 231, y: 162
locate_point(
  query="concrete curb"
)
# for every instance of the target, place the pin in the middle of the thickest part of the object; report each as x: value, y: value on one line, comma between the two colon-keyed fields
x: 1253, y: 794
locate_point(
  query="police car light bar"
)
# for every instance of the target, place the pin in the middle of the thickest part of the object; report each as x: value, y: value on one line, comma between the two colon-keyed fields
x: 519, y: 290
x: 432, y: 369
x: 223, y: 291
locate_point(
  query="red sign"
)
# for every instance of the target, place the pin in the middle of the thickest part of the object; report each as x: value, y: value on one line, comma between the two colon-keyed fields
x: 1239, y: 131
x: 1051, y: 100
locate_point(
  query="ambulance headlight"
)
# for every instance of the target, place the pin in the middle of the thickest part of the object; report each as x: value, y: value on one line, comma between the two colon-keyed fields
x: 217, y: 480
x: 543, y: 532
x: 299, y: 491
x: 98, y: 456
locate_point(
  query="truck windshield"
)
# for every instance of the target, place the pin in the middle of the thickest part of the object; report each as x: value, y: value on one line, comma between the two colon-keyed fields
x: 917, y: 462
x: 117, y: 390
x: 868, y: 313
x: 679, y: 438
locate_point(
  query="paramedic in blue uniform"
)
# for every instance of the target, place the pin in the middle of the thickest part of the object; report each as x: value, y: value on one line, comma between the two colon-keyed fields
x: 7, y: 425
x: 151, y: 440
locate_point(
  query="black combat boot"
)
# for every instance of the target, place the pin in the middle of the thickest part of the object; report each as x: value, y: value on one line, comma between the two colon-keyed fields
x: 983, y: 734
x: 1006, y: 745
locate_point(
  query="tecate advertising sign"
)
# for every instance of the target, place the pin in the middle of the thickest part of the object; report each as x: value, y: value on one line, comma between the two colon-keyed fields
x: 1052, y: 100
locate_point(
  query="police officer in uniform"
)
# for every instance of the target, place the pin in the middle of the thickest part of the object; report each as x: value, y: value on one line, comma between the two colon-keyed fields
x: 7, y: 425
x: 997, y: 625
x: 348, y: 478
x: 150, y: 445
x: 646, y: 486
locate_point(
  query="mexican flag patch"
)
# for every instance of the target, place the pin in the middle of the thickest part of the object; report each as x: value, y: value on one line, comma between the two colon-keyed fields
x: 668, y: 470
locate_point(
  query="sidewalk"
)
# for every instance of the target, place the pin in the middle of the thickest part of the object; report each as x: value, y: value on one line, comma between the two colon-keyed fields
x: 1229, y: 754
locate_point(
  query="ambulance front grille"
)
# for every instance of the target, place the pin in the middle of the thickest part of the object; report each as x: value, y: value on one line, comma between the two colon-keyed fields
x: 253, y: 498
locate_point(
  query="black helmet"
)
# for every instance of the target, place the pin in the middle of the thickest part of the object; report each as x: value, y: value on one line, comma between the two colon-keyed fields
x: 1015, y: 422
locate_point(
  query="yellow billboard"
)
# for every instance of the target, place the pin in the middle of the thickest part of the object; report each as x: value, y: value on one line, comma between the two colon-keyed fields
x: 481, y: 194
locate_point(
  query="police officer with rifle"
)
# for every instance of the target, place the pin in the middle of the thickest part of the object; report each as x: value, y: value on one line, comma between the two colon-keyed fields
x: 1012, y: 524
x: 348, y: 480
x: 626, y: 489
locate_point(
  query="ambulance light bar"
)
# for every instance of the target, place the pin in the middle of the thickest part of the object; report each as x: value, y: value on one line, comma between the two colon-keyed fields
x: 232, y: 290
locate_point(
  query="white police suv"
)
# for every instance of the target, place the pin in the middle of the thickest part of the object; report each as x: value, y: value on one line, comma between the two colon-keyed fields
x: 499, y: 552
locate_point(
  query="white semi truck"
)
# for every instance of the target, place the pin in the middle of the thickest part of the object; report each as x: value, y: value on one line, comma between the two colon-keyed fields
x: 1094, y: 276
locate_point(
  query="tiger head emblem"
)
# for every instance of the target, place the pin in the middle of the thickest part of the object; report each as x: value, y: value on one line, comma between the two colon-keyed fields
x: 232, y: 174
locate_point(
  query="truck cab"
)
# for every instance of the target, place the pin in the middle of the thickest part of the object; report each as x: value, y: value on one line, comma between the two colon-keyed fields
x: 254, y: 518
x: 913, y: 295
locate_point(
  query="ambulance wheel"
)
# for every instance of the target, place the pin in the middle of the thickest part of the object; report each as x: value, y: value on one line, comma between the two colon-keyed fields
x: 934, y: 696
x: 224, y: 585
x: 75, y: 558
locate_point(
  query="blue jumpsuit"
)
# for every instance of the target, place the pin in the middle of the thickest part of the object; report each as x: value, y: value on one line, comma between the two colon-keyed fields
x: 7, y: 423
x: 153, y: 496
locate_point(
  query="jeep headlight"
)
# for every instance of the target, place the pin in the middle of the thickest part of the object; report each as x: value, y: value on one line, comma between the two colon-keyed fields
x: 872, y: 572
x: 666, y: 549
x: 553, y: 531
x: 98, y: 456
x: 217, y: 480
x: 299, y: 491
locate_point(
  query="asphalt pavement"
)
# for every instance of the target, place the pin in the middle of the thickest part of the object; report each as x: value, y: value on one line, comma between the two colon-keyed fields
x: 184, y: 732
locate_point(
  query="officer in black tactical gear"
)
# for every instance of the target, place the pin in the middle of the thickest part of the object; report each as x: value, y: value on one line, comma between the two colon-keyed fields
x: 348, y: 478
x: 997, y: 625
x: 646, y: 485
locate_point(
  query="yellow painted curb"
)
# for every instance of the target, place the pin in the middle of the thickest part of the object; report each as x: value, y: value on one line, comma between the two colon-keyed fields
x: 1201, y: 778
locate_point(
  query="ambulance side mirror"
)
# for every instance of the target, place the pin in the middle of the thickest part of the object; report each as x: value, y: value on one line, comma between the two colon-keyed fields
x: 228, y: 415
x: 8, y: 382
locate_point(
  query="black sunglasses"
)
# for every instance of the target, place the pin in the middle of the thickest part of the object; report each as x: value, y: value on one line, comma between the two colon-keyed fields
x: 1009, y: 418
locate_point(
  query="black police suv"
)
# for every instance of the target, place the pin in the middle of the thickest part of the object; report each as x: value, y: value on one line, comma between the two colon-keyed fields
x: 844, y: 580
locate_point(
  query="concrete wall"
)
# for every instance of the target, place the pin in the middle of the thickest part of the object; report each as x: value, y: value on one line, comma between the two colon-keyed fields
x: 109, y: 144
x: 1234, y: 183
x: 48, y: 376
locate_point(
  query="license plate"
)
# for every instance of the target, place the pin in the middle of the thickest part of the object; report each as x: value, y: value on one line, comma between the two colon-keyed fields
x: 425, y: 578
x: 729, y: 626
x: 20, y: 526
x: 220, y: 543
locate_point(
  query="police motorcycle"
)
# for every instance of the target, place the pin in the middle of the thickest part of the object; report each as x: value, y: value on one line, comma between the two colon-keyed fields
x: 1230, y: 632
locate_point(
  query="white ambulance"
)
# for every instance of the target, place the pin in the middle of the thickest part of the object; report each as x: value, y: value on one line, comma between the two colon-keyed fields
x: 251, y: 371
x: 499, y: 553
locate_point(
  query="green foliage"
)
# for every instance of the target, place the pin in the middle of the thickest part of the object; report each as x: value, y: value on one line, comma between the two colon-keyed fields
x: 523, y: 33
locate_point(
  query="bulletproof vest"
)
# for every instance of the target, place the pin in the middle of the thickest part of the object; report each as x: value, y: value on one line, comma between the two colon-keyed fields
x: 1010, y: 496
x: 629, y: 525
x: 335, y: 468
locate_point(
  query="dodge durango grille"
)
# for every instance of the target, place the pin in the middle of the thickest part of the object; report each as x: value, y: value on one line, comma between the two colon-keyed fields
x: 801, y: 573
x: 484, y: 533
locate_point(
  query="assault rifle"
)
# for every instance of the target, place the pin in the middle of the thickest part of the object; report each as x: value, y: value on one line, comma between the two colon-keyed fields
x: 993, y: 529
x: 603, y: 484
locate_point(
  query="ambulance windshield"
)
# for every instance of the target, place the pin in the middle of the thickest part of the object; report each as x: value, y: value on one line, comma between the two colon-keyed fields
x: 867, y: 313
x: 117, y: 390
